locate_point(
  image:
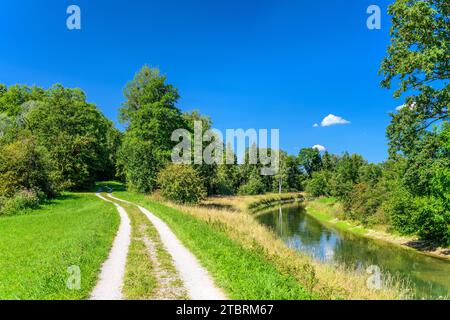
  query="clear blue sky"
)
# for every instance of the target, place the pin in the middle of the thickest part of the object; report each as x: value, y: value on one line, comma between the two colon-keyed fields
x: 248, y: 64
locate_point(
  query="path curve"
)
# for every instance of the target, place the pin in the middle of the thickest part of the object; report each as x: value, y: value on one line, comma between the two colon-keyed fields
x: 197, y: 280
x: 109, y: 286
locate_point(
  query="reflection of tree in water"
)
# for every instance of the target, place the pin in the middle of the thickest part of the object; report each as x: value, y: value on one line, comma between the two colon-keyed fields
x: 306, y: 234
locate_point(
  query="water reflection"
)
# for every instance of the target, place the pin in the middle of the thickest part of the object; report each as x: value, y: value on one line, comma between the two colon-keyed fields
x: 430, y: 276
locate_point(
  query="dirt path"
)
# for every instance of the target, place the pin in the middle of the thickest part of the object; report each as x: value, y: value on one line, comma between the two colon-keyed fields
x: 109, y: 286
x: 197, y: 281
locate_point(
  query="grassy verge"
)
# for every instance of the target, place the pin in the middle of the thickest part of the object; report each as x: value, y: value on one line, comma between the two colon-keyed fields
x: 243, y: 273
x: 150, y: 273
x: 37, y: 249
x: 327, y: 211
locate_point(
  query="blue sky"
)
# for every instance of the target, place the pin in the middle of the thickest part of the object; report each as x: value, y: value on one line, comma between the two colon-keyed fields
x: 248, y: 64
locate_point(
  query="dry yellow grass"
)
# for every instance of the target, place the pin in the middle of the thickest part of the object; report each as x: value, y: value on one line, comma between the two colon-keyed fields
x: 328, y: 282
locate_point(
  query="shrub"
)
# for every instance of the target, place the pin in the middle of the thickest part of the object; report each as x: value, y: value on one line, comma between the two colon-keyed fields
x: 25, y: 166
x: 318, y: 185
x: 254, y: 185
x: 23, y: 199
x: 432, y: 220
x: 180, y: 183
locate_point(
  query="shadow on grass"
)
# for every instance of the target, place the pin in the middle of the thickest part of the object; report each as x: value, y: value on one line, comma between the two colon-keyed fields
x: 107, y: 185
x: 61, y: 197
x: 217, y: 206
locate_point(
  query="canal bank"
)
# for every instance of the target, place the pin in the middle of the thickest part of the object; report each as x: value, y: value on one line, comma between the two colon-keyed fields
x: 301, y: 231
x: 327, y: 211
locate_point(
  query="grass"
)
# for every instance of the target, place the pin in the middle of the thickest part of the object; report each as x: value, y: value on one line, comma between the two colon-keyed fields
x: 329, y: 211
x: 37, y: 249
x: 150, y: 273
x: 326, y: 211
x: 248, y: 260
x: 243, y: 273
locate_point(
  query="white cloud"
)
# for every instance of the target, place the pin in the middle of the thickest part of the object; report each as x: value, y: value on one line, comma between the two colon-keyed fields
x: 331, y: 120
x: 320, y: 148
x: 315, y: 125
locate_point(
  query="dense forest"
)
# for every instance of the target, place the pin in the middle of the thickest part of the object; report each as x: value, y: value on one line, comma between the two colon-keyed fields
x: 53, y: 140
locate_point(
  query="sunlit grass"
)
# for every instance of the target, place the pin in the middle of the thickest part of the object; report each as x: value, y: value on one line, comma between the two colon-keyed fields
x: 37, y: 248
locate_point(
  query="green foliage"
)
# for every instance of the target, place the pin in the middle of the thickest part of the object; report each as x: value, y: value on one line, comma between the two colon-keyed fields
x: 228, y: 177
x: 418, y: 60
x: 151, y: 116
x: 181, y: 183
x: 24, y: 199
x: 309, y: 160
x: 254, y: 184
x: 208, y: 172
x: 78, y: 138
x: 319, y: 184
x: 25, y: 166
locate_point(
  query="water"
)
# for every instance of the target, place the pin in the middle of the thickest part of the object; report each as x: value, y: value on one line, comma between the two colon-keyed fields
x: 429, y: 276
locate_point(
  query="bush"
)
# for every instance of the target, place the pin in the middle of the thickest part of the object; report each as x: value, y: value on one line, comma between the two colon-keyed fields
x: 318, y: 185
x: 254, y: 185
x: 25, y: 199
x: 432, y: 220
x: 25, y: 166
x: 180, y: 183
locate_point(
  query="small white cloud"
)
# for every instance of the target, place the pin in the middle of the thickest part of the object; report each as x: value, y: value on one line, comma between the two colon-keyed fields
x: 320, y: 148
x: 331, y: 120
x: 315, y: 125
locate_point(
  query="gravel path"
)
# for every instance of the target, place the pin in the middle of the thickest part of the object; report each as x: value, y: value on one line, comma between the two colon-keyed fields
x: 197, y: 281
x: 109, y: 286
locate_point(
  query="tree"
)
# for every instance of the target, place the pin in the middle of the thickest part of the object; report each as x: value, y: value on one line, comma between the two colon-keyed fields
x: 254, y: 183
x: 151, y: 116
x: 418, y: 59
x: 309, y: 160
x: 181, y: 183
x: 227, y: 177
x: 78, y: 138
x: 76, y: 134
x: 208, y: 172
x: 319, y: 184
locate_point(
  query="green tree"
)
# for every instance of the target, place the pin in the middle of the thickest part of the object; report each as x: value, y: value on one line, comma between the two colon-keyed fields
x: 208, y: 172
x: 309, y: 160
x: 227, y: 178
x: 418, y: 59
x: 76, y: 135
x: 151, y: 116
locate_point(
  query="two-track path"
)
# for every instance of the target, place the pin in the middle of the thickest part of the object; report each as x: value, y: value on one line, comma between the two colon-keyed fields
x: 196, y: 279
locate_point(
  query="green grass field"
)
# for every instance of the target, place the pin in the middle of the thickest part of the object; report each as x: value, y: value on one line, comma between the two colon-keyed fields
x: 37, y: 248
x: 242, y: 273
